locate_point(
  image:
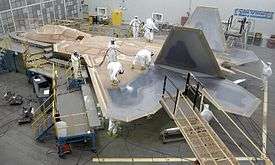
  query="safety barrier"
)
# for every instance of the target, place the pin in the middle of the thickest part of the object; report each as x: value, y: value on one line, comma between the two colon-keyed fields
x: 42, y: 120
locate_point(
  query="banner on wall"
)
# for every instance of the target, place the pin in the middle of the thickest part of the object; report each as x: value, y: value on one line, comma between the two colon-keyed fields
x: 254, y: 13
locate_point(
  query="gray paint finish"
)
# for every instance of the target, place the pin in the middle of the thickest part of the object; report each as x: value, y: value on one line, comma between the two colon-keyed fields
x: 188, y: 49
x: 90, y: 106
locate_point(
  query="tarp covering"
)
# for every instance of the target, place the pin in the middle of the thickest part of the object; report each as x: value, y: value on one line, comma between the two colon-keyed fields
x: 187, y: 49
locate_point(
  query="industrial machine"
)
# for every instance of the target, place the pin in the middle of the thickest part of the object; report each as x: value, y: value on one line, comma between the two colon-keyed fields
x: 171, y: 135
x: 13, y: 99
x: 27, y: 115
x: 102, y: 15
x: 41, y: 87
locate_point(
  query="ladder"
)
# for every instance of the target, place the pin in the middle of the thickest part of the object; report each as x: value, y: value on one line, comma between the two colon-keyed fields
x: 207, y: 147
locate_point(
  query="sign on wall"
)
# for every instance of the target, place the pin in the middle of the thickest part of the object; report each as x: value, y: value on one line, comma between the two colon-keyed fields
x: 254, y: 13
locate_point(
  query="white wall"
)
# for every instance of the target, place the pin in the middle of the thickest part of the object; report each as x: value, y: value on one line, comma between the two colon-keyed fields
x: 226, y: 8
x: 174, y: 9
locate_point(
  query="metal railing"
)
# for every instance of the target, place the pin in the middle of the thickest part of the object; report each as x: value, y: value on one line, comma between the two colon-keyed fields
x: 72, y: 128
x: 41, y: 116
x: 172, y: 95
x: 185, y: 112
x: 192, y: 90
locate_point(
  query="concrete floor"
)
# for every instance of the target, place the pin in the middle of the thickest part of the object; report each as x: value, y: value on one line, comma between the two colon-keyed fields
x: 137, y: 139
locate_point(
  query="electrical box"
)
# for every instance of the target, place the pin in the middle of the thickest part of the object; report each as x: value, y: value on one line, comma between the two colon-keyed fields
x: 117, y: 17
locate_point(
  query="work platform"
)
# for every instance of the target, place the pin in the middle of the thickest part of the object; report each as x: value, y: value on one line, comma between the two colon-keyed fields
x: 76, y: 107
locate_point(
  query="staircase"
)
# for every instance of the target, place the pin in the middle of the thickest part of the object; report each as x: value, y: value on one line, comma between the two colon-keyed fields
x: 42, y: 120
x: 35, y: 60
x: 207, y: 147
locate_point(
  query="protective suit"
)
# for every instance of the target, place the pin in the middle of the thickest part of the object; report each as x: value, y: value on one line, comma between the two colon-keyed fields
x: 112, y: 128
x: 149, y: 28
x: 206, y: 114
x: 143, y: 58
x: 135, y: 23
x: 75, y: 58
x: 114, y: 68
x: 112, y: 51
x: 267, y: 71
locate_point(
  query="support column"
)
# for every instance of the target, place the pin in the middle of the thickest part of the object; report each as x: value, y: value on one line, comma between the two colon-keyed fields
x: 265, y: 113
x: 12, y: 15
x: 42, y: 13
x: 65, y: 7
x: 28, y: 14
x: 2, y: 24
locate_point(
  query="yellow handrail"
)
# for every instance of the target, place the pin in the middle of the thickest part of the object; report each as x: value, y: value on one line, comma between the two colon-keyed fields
x: 37, y: 109
x: 37, y: 119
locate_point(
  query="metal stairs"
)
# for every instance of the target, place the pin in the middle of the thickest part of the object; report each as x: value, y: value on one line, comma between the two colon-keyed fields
x: 42, y: 120
x: 35, y: 60
x: 207, y: 147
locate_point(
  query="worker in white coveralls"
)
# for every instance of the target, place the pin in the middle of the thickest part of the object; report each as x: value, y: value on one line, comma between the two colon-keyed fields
x: 112, y: 128
x: 143, y: 58
x: 114, y: 69
x: 75, y: 58
x: 135, y: 23
x: 112, y: 51
x: 267, y: 71
x: 206, y: 114
x: 149, y: 28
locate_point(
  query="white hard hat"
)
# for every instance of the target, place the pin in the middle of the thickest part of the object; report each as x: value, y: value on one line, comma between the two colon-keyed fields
x: 136, y: 16
x: 269, y: 63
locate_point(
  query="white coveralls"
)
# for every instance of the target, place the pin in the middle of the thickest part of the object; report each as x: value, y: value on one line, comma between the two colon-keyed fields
x: 112, y: 128
x: 206, y: 114
x: 149, y: 28
x: 114, y: 68
x: 112, y: 53
x: 75, y: 64
x: 135, y: 23
x: 267, y: 71
x: 143, y: 58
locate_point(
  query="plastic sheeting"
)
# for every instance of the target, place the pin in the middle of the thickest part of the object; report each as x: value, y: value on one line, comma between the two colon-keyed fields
x: 187, y: 49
